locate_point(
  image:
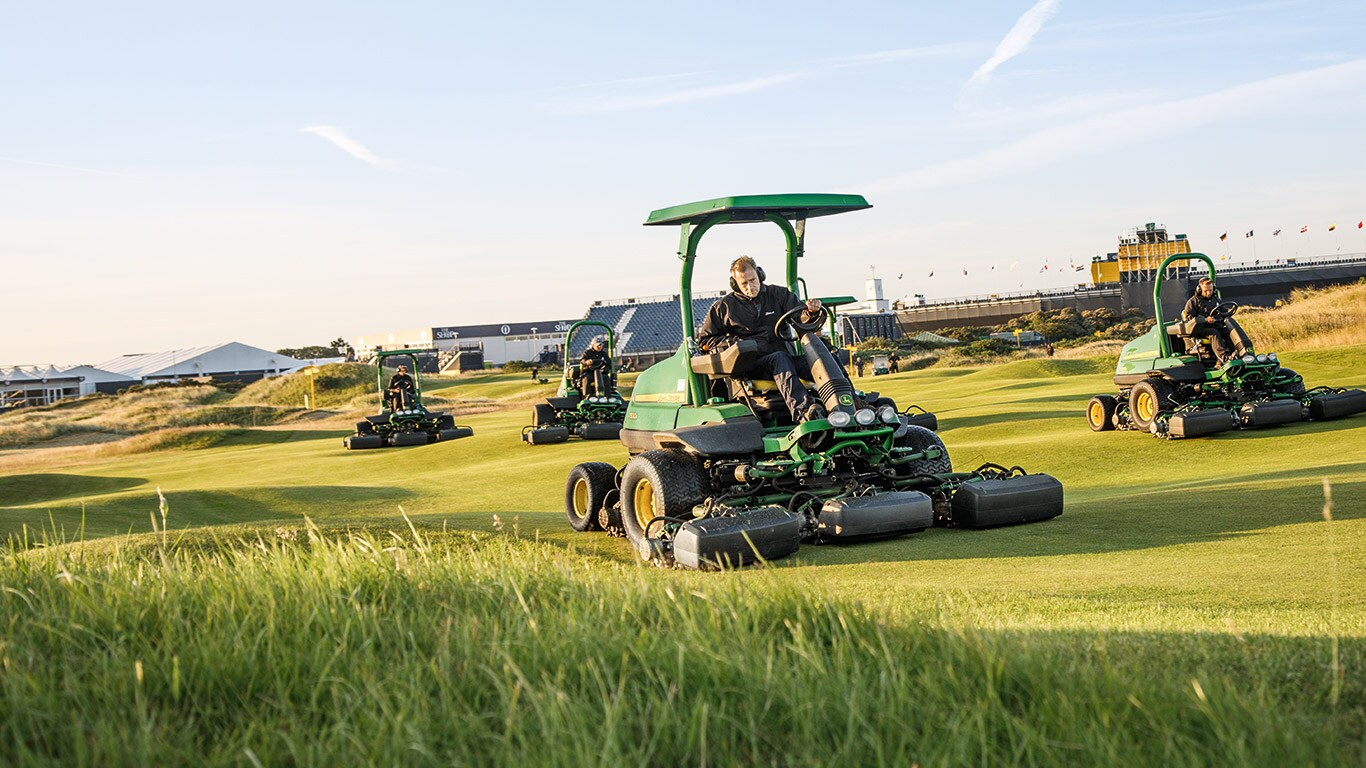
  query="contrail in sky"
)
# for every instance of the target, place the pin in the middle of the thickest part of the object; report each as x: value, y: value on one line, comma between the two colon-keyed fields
x: 1017, y: 39
x: 346, y: 144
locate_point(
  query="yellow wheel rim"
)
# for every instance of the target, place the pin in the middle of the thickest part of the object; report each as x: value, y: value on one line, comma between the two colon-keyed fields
x: 581, y: 498
x: 1145, y: 406
x: 644, y: 497
x: 1095, y: 413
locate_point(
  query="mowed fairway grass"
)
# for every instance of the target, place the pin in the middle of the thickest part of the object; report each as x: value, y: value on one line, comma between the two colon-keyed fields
x: 1192, y: 606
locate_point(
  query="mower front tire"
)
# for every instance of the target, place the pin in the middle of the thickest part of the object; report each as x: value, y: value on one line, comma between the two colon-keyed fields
x: 1149, y: 398
x: 921, y: 438
x: 586, y: 491
x: 1100, y: 413
x: 658, y: 484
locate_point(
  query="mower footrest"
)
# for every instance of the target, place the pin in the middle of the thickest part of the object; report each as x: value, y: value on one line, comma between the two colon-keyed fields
x: 453, y: 434
x: 404, y: 439
x: 546, y: 435
x: 606, y: 431
x: 716, y: 542
x: 1200, y: 423
x: 878, y: 516
x: 1270, y: 412
x: 357, y: 442
x: 1337, y: 405
x: 1020, y: 499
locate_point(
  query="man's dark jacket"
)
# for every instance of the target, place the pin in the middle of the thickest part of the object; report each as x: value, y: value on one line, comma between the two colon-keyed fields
x: 401, y: 381
x: 1199, y: 307
x: 735, y: 317
x: 595, y: 359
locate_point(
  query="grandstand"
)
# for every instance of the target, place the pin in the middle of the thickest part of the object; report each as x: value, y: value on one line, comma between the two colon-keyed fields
x: 648, y: 329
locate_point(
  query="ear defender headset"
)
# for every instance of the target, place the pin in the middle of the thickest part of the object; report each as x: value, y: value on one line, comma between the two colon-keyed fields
x: 735, y: 286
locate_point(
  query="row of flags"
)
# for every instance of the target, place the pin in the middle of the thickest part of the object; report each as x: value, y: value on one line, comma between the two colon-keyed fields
x: 1075, y: 267
x: 1303, y: 230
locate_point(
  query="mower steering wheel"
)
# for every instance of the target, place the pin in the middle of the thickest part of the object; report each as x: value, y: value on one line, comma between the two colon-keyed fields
x: 789, y: 320
x: 1224, y: 310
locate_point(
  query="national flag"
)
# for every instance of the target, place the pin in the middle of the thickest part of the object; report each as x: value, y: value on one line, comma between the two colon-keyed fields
x: 1304, y: 229
x: 931, y: 273
x: 1078, y: 269
x: 901, y: 275
x: 993, y: 267
x: 1332, y: 227
x: 1249, y: 233
x: 1014, y: 265
x: 965, y: 271
x: 1044, y: 269
x: 1223, y: 237
x: 1360, y: 223
x: 1277, y: 233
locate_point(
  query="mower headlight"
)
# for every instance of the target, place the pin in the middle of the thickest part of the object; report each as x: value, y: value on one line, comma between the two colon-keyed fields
x: 839, y: 419
x: 1261, y: 358
x: 1272, y: 357
x: 865, y: 416
x: 1248, y: 358
x: 888, y: 415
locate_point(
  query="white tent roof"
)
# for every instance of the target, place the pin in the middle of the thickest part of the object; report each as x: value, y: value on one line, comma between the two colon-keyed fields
x: 228, y: 358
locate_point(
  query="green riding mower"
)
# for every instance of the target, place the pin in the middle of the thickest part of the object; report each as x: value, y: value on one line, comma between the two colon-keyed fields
x: 402, y: 419
x: 1172, y: 385
x: 587, y: 404
x: 719, y: 473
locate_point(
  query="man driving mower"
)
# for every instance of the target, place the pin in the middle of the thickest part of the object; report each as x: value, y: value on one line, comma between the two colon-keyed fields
x: 1210, y: 324
x: 594, y: 368
x: 749, y: 312
x: 400, y: 389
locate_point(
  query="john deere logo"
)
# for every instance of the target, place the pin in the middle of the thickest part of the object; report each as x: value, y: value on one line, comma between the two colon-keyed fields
x: 846, y: 400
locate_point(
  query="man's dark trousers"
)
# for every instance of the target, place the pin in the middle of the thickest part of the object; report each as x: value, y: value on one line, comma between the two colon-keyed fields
x: 785, y: 371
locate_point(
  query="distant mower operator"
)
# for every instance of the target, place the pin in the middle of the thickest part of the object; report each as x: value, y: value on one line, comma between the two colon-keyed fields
x: 1201, y: 375
x: 403, y: 420
x: 587, y: 403
x: 752, y: 439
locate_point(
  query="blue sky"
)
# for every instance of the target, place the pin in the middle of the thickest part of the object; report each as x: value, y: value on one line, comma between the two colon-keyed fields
x: 175, y: 174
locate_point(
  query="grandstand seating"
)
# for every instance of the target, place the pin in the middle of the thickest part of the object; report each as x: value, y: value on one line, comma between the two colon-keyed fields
x: 643, y: 326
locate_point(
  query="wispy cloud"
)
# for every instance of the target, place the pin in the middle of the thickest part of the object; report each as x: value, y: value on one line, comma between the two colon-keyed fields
x: 645, y: 92
x: 1274, y: 95
x: 1017, y: 39
x: 348, y: 145
x: 77, y: 168
x: 619, y: 102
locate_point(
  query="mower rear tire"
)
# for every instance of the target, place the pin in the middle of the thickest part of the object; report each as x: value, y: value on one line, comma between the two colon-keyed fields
x: 1100, y: 413
x: 660, y: 483
x: 1149, y: 398
x: 921, y: 438
x: 365, y: 428
x: 1295, y: 386
x: 445, y: 421
x: 542, y: 415
x: 586, y: 491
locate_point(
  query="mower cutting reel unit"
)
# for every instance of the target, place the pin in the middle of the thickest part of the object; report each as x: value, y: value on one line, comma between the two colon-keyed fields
x: 1172, y: 385
x: 719, y: 474
x: 587, y: 404
x: 403, y: 420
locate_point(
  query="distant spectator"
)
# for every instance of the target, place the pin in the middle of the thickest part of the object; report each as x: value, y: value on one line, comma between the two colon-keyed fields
x: 893, y: 363
x: 1048, y: 347
x: 858, y: 365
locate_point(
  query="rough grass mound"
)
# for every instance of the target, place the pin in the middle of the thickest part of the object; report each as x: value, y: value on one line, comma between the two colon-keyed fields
x: 336, y: 385
x: 302, y: 647
x: 1312, y: 319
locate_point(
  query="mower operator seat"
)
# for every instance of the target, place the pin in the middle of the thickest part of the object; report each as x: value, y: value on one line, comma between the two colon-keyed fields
x: 723, y: 364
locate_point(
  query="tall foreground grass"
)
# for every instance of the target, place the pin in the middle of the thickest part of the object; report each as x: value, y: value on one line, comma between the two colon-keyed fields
x: 299, y: 647
x: 1314, y: 318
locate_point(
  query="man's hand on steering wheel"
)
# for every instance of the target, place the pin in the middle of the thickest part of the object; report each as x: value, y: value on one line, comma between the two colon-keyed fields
x: 1223, y: 311
x: 791, y: 320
